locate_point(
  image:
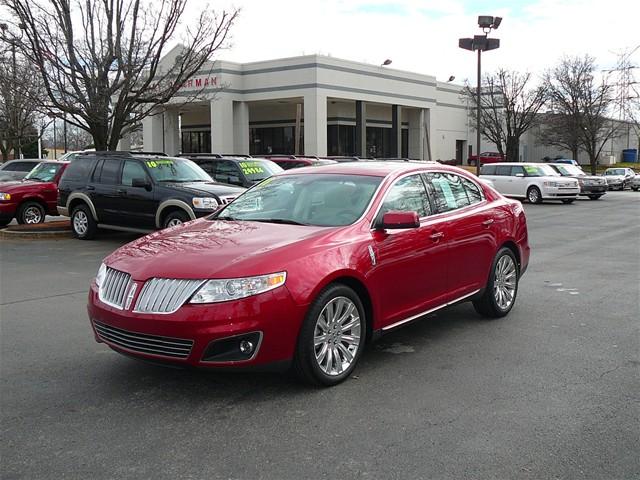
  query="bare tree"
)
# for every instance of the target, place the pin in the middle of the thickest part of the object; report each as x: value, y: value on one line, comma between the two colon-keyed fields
x: 580, y: 105
x: 509, y: 106
x: 100, y: 59
x: 19, y: 102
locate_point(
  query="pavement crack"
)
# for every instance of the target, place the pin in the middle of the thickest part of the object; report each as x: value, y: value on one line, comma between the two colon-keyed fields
x: 43, y: 298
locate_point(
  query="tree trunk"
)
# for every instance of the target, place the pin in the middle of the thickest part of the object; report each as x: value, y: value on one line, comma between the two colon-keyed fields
x: 513, y: 149
x: 574, y: 152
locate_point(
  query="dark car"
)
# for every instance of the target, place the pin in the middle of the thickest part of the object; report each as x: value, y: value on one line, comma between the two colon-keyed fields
x: 288, y: 162
x: 17, y: 169
x: 591, y: 186
x: 29, y: 200
x: 241, y: 171
x: 120, y: 191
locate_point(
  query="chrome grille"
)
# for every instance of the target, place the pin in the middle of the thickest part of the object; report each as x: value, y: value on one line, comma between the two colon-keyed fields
x: 143, y: 343
x: 114, y: 288
x: 165, y: 295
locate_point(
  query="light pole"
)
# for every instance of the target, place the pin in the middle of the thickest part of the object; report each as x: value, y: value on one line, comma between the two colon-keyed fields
x: 480, y: 43
x: 4, y: 28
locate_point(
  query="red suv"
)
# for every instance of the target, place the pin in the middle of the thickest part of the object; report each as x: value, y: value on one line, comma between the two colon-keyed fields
x: 486, y: 157
x: 307, y: 266
x: 31, y: 199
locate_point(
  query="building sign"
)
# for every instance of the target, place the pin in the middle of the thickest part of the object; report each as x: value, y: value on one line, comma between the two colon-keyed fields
x: 200, y: 82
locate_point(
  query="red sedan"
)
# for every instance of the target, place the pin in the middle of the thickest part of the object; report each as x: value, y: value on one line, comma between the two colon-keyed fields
x: 307, y: 266
x: 486, y: 157
x: 31, y: 199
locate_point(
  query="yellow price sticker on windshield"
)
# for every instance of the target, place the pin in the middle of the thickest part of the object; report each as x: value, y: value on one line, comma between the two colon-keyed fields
x: 249, y: 168
x: 158, y: 163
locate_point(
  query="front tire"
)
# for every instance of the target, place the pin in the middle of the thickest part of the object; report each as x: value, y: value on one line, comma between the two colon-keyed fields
x: 30, y: 213
x: 332, y: 337
x: 594, y: 197
x: 83, y: 225
x: 568, y: 200
x: 175, y: 218
x: 534, y: 195
x: 502, y: 288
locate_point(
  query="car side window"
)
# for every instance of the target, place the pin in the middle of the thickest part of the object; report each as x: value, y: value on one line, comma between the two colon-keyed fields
x: 449, y: 192
x: 226, y: 171
x: 503, y: 170
x: 110, y: 173
x: 208, y: 166
x: 80, y: 169
x: 516, y: 169
x: 131, y: 170
x: 473, y: 191
x: 488, y: 170
x: 407, y: 195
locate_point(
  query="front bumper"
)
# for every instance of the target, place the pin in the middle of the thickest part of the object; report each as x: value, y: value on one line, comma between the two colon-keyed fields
x: 64, y: 211
x: 273, y: 315
x: 559, y: 193
x: 8, y: 209
x: 593, y: 189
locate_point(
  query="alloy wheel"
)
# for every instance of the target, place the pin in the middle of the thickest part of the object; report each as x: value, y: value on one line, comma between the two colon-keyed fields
x: 533, y: 195
x: 33, y: 215
x: 80, y: 222
x: 504, y: 283
x: 337, y: 336
x: 174, y: 222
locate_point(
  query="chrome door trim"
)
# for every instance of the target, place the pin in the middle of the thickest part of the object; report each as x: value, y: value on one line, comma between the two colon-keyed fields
x: 413, y: 317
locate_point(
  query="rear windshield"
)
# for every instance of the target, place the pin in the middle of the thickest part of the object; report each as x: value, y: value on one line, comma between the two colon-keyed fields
x: 615, y: 171
x: 258, y: 170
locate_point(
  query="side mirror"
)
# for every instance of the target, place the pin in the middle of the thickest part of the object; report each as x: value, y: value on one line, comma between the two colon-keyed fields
x: 395, y: 220
x: 141, y: 183
x: 520, y: 175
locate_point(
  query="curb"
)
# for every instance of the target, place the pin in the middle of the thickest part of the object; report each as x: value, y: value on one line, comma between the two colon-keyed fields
x: 13, y: 235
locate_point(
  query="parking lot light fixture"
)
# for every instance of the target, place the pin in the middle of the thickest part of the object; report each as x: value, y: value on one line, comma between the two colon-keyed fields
x: 480, y: 43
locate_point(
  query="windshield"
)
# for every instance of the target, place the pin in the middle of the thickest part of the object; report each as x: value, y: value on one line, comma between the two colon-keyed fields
x: 44, y: 172
x: 176, y: 170
x: 614, y: 171
x: 323, y: 200
x: 569, y: 170
x: 540, y: 171
x: 258, y: 170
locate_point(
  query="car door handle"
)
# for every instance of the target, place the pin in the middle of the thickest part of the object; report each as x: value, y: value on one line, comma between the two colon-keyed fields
x: 488, y: 222
x: 121, y: 191
x: 90, y: 187
x: 436, y: 236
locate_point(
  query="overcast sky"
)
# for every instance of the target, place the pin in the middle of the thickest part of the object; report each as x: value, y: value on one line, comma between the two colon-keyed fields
x: 422, y: 36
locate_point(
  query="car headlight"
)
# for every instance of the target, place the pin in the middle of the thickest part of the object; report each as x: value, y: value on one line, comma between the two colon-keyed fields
x: 5, y: 196
x: 205, y: 203
x: 102, y: 273
x: 551, y: 184
x: 234, y: 288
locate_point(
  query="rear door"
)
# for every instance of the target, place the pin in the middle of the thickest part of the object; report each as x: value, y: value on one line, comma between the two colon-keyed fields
x: 516, y: 186
x: 470, y: 223
x: 502, y: 178
x: 105, y: 190
x: 411, y: 268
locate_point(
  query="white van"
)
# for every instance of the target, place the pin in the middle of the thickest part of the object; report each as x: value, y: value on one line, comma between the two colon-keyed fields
x: 534, y: 181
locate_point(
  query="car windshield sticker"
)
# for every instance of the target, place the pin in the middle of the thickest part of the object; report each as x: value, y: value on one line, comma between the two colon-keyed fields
x: 445, y: 188
x: 158, y: 163
x: 250, y: 168
x: 530, y: 169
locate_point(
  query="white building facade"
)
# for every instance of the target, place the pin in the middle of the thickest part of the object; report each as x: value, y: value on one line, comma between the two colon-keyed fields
x: 344, y: 108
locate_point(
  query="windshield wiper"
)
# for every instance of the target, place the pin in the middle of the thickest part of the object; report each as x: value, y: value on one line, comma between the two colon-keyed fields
x: 283, y: 221
x: 224, y: 217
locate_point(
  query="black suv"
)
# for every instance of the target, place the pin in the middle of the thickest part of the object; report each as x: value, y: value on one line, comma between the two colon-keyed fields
x: 237, y: 170
x: 121, y: 191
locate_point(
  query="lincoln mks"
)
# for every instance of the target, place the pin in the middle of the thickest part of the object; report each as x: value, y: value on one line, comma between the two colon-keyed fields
x: 306, y: 267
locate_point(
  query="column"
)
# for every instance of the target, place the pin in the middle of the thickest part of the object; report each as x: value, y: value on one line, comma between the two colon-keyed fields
x: 221, y: 124
x: 171, y: 130
x: 241, y: 128
x: 315, y: 124
x: 361, y: 129
x: 396, y: 131
x: 152, y: 133
x: 417, y: 137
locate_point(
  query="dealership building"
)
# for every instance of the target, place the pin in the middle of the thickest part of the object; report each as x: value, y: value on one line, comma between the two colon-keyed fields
x: 341, y: 107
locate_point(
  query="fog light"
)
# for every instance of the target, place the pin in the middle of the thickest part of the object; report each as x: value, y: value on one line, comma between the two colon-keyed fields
x: 246, y: 346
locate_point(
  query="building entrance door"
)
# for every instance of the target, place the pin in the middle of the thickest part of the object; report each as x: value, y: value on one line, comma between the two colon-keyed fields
x: 459, y: 151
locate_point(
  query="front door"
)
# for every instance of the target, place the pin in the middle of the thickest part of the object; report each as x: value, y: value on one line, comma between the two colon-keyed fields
x: 137, y: 205
x: 410, y: 269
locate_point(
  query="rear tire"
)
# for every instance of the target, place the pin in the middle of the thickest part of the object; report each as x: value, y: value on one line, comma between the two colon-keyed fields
x: 332, y: 337
x: 534, y: 195
x: 502, y: 288
x: 30, y: 213
x: 568, y: 200
x: 83, y: 225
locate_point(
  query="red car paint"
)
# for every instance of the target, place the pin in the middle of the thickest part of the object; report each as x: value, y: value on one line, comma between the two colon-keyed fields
x: 446, y: 258
x: 21, y: 191
x: 486, y: 157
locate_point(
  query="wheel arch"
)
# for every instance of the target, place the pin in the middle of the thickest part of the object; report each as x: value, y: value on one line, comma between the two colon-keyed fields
x: 168, y: 206
x: 511, y: 245
x: 78, y: 198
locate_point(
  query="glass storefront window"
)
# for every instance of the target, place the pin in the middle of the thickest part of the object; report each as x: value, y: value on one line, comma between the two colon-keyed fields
x: 196, y: 142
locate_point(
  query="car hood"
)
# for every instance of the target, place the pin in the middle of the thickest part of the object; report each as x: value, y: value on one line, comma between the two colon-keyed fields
x: 15, y: 185
x: 205, y: 188
x: 614, y: 177
x: 216, y: 249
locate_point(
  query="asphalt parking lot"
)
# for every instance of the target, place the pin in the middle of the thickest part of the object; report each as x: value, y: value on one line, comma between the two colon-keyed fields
x: 551, y: 391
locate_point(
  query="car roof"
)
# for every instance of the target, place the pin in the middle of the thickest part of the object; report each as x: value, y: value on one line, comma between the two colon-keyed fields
x: 371, y: 168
